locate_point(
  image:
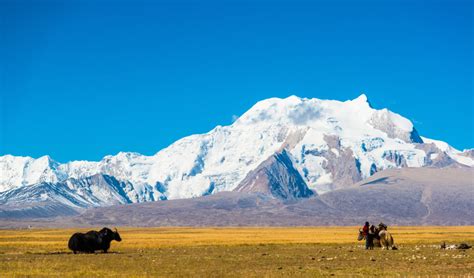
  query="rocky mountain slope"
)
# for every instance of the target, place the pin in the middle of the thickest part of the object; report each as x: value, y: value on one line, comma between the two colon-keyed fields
x: 407, y: 196
x: 276, y: 177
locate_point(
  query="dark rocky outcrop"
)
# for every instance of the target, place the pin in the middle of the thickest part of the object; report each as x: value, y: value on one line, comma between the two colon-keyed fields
x: 277, y: 177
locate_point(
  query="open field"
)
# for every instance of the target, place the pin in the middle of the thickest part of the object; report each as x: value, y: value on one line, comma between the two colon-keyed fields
x: 217, y: 252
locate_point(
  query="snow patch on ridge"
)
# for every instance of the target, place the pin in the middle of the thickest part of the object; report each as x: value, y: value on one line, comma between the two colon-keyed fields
x: 450, y: 151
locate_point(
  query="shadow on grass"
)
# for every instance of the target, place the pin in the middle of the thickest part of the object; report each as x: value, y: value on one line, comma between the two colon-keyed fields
x: 71, y: 253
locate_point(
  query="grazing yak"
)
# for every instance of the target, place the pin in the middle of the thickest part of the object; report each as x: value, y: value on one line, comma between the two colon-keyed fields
x: 93, y: 240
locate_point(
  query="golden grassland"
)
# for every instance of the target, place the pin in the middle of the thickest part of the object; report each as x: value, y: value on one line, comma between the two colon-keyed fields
x: 248, y: 252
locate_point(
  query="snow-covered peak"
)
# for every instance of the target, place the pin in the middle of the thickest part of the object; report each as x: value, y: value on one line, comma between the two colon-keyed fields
x: 277, y: 110
x: 296, y: 111
x: 121, y: 156
x: 361, y: 100
x: 46, y: 161
x: 387, y: 116
x: 18, y: 170
x: 332, y: 143
x: 352, y: 118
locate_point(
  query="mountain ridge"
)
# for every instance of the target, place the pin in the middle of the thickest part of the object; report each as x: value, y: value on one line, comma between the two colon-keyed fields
x: 332, y: 145
x: 405, y: 196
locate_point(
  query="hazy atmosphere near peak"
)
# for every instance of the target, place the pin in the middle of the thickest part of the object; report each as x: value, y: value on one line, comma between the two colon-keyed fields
x: 83, y: 79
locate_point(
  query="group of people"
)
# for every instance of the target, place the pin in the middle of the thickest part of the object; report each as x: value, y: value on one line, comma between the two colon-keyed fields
x: 370, y: 232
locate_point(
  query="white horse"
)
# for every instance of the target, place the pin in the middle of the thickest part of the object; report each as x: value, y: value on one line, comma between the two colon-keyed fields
x: 386, y: 240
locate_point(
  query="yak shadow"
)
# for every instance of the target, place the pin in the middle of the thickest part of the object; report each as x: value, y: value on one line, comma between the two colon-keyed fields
x: 71, y: 253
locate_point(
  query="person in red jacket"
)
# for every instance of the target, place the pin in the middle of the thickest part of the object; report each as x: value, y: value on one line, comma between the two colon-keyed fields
x: 365, y: 231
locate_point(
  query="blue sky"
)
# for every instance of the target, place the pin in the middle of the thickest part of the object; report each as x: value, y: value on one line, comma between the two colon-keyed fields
x: 83, y: 79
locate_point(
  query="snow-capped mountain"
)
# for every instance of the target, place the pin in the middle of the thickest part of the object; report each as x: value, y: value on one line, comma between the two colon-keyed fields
x: 331, y: 144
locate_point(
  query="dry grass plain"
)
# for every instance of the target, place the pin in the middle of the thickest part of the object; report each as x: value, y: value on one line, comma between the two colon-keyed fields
x: 244, y: 252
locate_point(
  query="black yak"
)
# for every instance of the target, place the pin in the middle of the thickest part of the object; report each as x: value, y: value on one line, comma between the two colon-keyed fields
x: 93, y: 240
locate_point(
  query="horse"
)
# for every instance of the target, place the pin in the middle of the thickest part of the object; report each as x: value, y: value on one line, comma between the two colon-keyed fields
x: 386, y: 239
